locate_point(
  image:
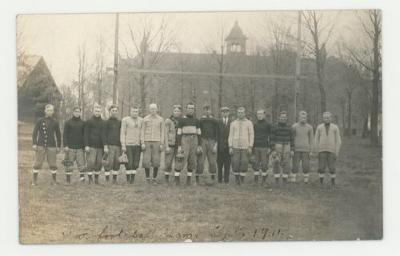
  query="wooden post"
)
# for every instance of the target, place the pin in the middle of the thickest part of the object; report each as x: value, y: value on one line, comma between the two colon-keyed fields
x: 115, y: 84
x: 298, y: 66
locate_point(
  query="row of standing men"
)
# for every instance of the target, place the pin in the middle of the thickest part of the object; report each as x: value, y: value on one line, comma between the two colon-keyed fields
x: 187, y: 142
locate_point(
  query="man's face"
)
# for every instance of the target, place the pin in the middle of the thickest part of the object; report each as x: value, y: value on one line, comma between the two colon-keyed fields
x: 153, y: 110
x: 303, y: 117
x: 77, y: 113
x: 326, y: 118
x: 97, y: 111
x: 225, y: 114
x: 134, y: 112
x: 49, y: 111
x: 241, y: 113
x: 190, y: 109
x: 260, y: 115
x: 207, y: 111
x: 283, y: 118
x: 176, y: 112
x: 114, y: 112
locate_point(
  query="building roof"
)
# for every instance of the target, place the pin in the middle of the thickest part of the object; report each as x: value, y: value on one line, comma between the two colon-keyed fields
x: 208, y: 62
x: 25, y: 66
x: 236, y: 33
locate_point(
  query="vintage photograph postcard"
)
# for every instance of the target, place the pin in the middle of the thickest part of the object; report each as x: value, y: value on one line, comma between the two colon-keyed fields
x: 199, y: 126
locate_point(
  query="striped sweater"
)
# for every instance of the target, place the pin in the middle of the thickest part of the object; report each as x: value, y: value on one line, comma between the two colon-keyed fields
x: 281, y: 134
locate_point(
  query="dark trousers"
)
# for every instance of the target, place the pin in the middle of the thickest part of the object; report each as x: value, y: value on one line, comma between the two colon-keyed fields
x: 223, y: 162
x: 133, y: 153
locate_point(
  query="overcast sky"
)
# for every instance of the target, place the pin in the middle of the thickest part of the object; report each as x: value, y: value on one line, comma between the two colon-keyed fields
x: 57, y: 37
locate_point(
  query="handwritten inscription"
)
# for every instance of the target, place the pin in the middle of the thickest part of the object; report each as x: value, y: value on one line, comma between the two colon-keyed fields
x: 216, y: 233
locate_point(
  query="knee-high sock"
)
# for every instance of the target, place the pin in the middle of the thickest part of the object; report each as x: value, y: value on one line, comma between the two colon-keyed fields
x: 68, y: 177
x: 155, y: 171
x: 35, y: 175
x: 132, y: 178
x: 177, y: 177
x: 54, y: 175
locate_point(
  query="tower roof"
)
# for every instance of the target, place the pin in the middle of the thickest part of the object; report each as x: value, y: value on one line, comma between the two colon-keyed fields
x: 236, y: 33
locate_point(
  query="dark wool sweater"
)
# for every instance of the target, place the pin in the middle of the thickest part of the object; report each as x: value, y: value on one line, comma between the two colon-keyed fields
x: 209, y: 127
x: 112, y: 131
x: 281, y: 133
x: 262, y: 132
x: 94, y: 132
x: 46, y: 133
x: 73, y: 133
x: 188, y: 125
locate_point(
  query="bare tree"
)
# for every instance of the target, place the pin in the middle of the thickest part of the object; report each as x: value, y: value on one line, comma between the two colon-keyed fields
x: 151, y: 40
x: 69, y: 101
x: 21, y: 39
x: 99, y: 69
x: 368, y: 54
x: 320, y: 31
x: 81, y: 77
x: 352, y: 80
x: 181, y: 65
x: 278, y: 39
x: 217, y: 52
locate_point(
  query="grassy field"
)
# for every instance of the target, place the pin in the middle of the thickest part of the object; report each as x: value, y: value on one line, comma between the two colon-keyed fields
x: 159, y: 213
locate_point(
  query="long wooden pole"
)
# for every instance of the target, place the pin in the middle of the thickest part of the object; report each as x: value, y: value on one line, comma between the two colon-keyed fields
x: 115, y: 84
x: 298, y: 65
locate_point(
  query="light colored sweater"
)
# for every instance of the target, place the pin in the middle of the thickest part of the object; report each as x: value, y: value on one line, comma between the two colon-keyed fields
x: 131, y: 130
x: 329, y: 141
x: 153, y: 129
x: 303, y: 135
x: 241, y: 134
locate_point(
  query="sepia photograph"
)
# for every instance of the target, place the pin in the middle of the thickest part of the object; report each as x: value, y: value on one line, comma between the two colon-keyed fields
x: 173, y: 127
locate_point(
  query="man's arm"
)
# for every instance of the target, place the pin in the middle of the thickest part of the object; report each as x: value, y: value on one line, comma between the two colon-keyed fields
x: 142, y: 132
x: 231, y: 134
x: 251, y: 134
x: 316, y: 140
x: 65, y: 134
x: 272, y: 137
x: 162, y: 131
x: 167, y: 127
x: 35, y: 133
x: 104, y: 132
x: 122, y: 135
x: 291, y: 139
x: 338, y: 141
x: 311, y: 138
x: 86, y: 132
x: 58, y: 134
x: 199, y: 141
x: 268, y: 131
x: 216, y: 127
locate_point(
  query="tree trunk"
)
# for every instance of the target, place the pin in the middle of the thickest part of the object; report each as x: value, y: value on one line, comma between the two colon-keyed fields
x: 275, y: 101
x: 142, y: 85
x: 253, y: 97
x: 320, y: 76
x: 194, y: 96
x: 375, y: 111
x: 349, y: 114
x: 220, y: 92
x: 365, y: 129
x: 182, y: 89
x: 343, y: 106
x: 220, y: 81
x: 375, y: 81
